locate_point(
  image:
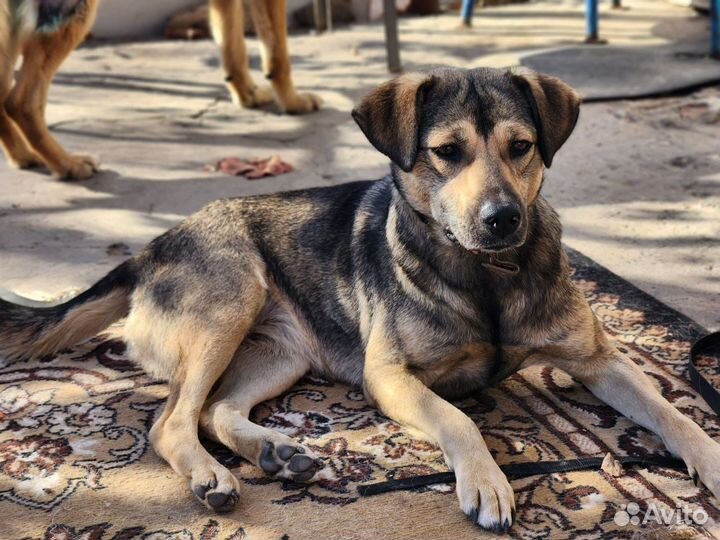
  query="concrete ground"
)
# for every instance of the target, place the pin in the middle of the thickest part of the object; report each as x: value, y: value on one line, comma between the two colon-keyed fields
x: 638, y: 185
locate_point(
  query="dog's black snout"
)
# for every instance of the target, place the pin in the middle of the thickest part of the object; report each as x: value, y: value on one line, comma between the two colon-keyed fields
x: 501, y: 219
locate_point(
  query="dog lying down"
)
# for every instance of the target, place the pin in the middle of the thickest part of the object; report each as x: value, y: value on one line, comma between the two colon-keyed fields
x: 442, y: 278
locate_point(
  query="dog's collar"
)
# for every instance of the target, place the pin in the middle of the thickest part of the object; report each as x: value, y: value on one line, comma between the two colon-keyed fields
x: 495, y: 265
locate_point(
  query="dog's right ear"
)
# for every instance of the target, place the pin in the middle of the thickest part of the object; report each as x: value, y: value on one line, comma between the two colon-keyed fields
x: 389, y: 116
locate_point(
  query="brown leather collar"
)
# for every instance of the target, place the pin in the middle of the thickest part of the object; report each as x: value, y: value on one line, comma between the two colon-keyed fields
x: 495, y: 265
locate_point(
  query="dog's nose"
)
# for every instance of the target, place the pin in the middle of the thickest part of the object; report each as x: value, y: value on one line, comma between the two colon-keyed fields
x: 501, y: 219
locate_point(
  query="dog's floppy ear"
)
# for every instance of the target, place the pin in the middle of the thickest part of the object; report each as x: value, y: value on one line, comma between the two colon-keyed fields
x: 555, y: 106
x: 389, y: 116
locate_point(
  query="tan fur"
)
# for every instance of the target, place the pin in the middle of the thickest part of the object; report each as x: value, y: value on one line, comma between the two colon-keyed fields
x: 192, y: 355
x: 42, y: 56
x: 79, y: 324
x: 404, y: 397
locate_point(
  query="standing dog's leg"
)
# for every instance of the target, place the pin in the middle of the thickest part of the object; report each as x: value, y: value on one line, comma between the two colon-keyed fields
x: 258, y: 372
x: 42, y: 56
x: 269, y: 18
x: 591, y: 358
x: 228, y: 29
x: 16, y: 148
x: 484, y: 492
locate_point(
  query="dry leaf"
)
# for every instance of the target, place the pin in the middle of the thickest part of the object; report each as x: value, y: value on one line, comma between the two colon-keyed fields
x: 253, y: 169
x: 612, y: 466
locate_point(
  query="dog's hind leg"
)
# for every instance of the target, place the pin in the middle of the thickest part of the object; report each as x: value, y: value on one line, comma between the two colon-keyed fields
x: 269, y: 19
x: 16, y: 148
x: 193, y: 348
x: 43, y: 53
x: 262, y: 369
x: 228, y: 29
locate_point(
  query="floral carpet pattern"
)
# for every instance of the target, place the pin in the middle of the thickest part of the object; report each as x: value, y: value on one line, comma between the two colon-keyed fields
x: 75, y: 461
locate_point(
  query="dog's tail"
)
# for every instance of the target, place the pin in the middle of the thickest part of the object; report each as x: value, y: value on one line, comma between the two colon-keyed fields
x: 31, y: 332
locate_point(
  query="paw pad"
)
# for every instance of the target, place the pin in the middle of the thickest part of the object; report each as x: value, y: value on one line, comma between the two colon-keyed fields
x: 287, y: 461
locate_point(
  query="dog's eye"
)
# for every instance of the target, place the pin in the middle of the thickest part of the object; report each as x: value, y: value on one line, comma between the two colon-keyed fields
x: 447, y: 151
x: 520, y: 148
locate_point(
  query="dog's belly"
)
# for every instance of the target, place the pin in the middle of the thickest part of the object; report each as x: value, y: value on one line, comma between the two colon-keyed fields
x: 282, y: 327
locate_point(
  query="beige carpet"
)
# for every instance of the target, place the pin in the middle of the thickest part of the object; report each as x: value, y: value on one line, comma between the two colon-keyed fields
x: 75, y: 462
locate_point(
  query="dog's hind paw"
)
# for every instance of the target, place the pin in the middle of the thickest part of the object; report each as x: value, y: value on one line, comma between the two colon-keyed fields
x: 289, y: 461
x: 216, y: 489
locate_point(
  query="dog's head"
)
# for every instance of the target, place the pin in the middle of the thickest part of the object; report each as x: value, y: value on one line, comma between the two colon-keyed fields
x: 471, y: 146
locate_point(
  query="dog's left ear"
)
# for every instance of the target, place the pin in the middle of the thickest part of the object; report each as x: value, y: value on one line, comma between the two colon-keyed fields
x: 389, y: 116
x: 556, y: 108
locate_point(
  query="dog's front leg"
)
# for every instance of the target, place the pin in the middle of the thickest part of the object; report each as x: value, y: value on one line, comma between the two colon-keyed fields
x: 484, y: 492
x: 619, y: 382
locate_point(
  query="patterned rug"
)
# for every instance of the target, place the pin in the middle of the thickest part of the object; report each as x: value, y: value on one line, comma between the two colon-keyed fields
x: 75, y: 462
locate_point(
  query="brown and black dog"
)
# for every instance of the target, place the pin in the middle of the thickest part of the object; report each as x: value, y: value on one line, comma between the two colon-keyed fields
x: 442, y: 278
x: 44, y: 32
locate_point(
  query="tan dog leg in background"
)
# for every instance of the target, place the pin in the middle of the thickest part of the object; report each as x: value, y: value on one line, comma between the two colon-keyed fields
x: 16, y: 148
x: 270, y: 20
x: 482, y: 488
x: 42, y: 56
x: 228, y: 29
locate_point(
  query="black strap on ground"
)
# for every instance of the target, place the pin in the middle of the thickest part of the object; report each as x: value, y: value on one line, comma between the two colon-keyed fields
x: 519, y: 470
x: 708, y: 392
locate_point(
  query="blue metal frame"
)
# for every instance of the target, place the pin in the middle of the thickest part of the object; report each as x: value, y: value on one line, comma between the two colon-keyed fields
x: 715, y: 29
x: 467, y: 12
x: 591, y: 21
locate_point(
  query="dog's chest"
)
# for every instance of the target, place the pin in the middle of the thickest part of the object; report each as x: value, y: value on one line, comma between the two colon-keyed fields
x: 457, y: 352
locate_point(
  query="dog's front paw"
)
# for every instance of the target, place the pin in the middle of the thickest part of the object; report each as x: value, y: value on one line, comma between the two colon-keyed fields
x: 301, y: 103
x: 704, y: 466
x: 485, y: 495
x: 78, y: 168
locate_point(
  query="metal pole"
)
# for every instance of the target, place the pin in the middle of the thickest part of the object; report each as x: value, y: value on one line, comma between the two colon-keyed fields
x: 715, y: 29
x: 467, y: 12
x: 591, y: 21
x: 391, y: 37
x: 328, y: 16
x: 316, y: 15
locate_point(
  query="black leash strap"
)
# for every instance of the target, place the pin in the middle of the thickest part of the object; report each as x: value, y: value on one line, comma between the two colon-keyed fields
x: 708, y: 392
x: 519, y: 470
